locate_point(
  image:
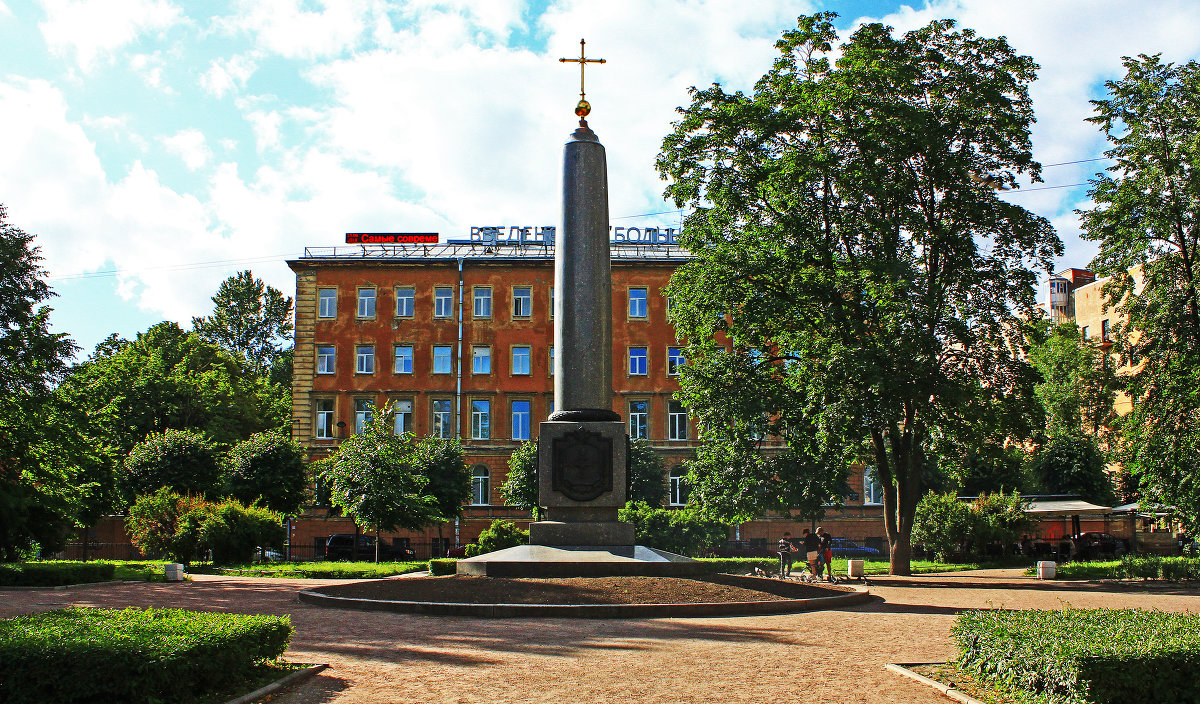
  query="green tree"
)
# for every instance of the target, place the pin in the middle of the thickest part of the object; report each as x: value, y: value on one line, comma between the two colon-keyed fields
x: 953, y: 529
x: 182, y: 461
x: 647, y: 476
x: 1146, y: 214
x: 520, y: 488
x: 1078, y: 384
x: 268, y: 468
x: 373, y: 479
x: 41, y: 486
x: 942, y: 525
x: 250, y: 319
x: 681, y: 531
x: 164, y: 522
x: 498, y: 536
x: 170, y: 379
x: 447, y: 478
x: 1074, y: 464
x: 848, y: 238
x: 234, y: 532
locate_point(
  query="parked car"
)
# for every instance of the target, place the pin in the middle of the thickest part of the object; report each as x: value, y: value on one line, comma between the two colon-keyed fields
x: 340, y: 546
x: 844, y: 547
x: 743, y: 548
x: 1095, y: 544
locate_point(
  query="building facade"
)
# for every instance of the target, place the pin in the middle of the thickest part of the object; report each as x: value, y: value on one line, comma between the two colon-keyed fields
x: 457, y: 338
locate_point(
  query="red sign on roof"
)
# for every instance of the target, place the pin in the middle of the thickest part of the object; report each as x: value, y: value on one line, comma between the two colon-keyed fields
x: 391, y: 238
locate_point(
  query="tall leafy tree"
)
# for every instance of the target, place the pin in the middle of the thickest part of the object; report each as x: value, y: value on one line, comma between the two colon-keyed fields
x: 448, y: 480
x: 249, y: 318
x: 849, y: 240
x: 1147, y: 215
x: 1077, y: 384
x: 40, y: 487
x: 268, y: 468
x: 372, y: 478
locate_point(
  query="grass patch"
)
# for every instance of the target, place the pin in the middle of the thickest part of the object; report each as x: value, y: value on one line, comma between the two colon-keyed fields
x: 954, y: 676
x: 316, y: 570
x: 1083, y: 656
x: 133, y: 655
x: 743, y: 565
x: 1145, y: 567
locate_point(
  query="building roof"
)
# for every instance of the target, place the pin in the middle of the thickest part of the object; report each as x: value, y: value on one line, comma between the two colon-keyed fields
x: 1065, y: 507
x: 502, y: 251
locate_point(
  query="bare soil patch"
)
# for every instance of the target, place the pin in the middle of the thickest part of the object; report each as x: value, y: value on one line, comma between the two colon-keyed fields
x: 466, y: 589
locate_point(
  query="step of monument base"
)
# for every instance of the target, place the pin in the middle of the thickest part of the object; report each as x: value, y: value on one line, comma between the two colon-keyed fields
x: 616, y: 533
x: 580, y: 561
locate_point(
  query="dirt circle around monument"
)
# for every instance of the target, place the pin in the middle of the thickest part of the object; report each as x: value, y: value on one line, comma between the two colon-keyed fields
x: 587, y: 597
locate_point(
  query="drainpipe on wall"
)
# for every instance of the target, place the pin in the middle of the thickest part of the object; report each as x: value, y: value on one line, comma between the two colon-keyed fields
x: 458, y: 368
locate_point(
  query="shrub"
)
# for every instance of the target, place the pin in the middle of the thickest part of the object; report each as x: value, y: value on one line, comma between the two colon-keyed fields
x: 681, y: 531
x: 54, y: 574
x: 166, y: 523
x: 181, y: 460
x: 100, y: 655
x: 952, y: 530
x: 233, y: 531
x: 500, y: 535
x: 1085, y: 655
x: 442, y: 566
x: 267, y: 468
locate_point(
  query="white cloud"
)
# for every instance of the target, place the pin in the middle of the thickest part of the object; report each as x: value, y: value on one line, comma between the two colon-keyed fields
x: 150, y: 67
x: 283, y: 27
x: 229, y: 74
x: 190, y: 146
x: 95, y: 29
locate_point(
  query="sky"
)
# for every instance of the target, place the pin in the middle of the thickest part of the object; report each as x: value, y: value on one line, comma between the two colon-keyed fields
x: 156, y: 147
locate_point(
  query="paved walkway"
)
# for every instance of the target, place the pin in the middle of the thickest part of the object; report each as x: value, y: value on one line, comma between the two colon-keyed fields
x: 831, y: 656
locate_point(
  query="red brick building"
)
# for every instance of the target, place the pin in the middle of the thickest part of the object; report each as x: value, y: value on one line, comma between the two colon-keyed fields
x: 458, y: 338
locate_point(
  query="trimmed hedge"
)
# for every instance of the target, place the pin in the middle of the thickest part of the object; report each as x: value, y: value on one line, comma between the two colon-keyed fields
x: 321, y: 570
x: 54, y: 574
x: 1170, y: 569
x: 442, y: 566
x: 1097, y: 656
x: 134, y: 655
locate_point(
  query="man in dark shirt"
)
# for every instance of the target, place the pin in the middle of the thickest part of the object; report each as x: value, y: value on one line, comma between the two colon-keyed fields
x: 812, y: 547
x: 786, y: 547
x: 826, y: 551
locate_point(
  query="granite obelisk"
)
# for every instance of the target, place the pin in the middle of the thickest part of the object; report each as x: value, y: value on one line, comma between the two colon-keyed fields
x: 583, y: 450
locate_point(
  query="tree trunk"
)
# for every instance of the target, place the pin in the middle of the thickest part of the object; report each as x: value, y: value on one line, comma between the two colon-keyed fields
x: 900, y: 560
x: 377, y: 546
x: 354, y: 545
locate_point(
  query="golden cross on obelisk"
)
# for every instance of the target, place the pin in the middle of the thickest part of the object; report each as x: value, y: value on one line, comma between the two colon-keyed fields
x: 583, y: 107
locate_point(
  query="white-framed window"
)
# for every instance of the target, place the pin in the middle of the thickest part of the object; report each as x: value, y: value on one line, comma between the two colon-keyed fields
x: 481, y: 485
x: 551, y: 360
x: 872, y: 489
x: 405, y: 301
x: 677, y: 421
x: 325, y: 359
x: 327, y: 303
x: 675, y: 360
x: 637, y: 303
x: 481, y: 359
x: 366, y: 303
x: 404, y: 359
x: 481, y: 419
x: 443, y: 302
x: 482, y: 297
x: 402, y: 416
x: 677, y: 479
x: 520, y: 420
x: 522, y: 301
x: 639, y: 420
x: 442, y: 355
x: 324, y: 425
x: 521, y: 360
x: 552, y: 303
x: 443, y: 419
x: 637, y: 361
x: 364, y: 359
x: 364, y: 411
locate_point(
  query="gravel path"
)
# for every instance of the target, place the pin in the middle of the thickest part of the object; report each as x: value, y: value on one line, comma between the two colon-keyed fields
x: 831, y: 656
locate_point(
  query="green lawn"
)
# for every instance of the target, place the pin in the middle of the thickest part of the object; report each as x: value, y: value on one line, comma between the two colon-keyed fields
x: 316, y: 570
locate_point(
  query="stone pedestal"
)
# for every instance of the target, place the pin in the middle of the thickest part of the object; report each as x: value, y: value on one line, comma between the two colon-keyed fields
x: 583, y: 479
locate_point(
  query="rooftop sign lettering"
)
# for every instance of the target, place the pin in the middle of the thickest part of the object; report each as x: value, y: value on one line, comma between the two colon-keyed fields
x: 530, y: 235
x: 391, y: 238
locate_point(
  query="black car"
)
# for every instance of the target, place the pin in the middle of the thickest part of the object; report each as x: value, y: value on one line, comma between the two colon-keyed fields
x: 743, y: 548
x: 340, y: 546
x: 1095, y: 545
x: 843, y: 547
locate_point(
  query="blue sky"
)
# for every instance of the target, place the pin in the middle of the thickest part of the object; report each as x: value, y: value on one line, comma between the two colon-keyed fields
x: 156, y: 147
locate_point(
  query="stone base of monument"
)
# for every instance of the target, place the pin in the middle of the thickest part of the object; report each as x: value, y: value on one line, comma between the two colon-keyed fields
x: 580, y: 561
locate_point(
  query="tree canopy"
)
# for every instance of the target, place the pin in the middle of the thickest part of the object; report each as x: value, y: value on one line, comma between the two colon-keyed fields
x: 250, y: 319
x: 857, y: 282
x: 1147, y: 215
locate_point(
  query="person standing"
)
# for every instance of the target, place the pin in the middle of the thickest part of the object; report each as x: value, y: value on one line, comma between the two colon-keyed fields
x: 826, y: 550
x: 786, y: 547
x: 812, y: 551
